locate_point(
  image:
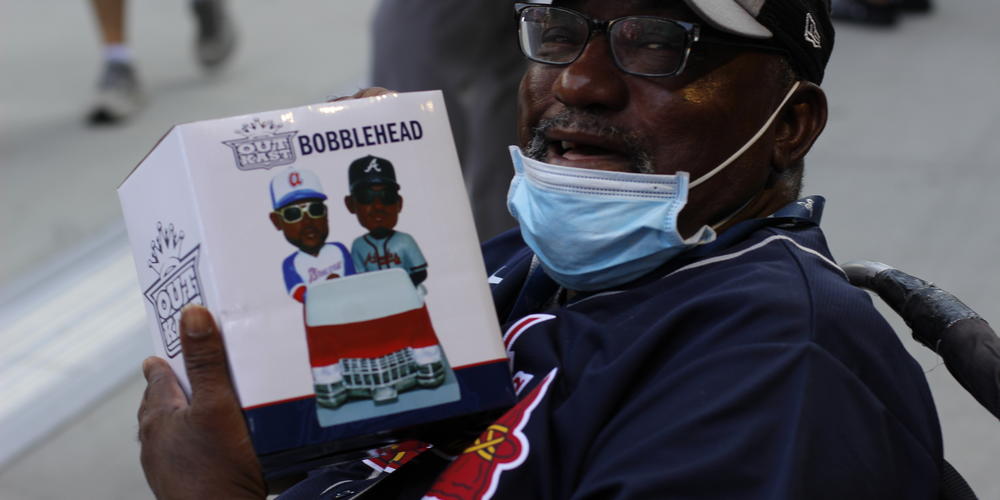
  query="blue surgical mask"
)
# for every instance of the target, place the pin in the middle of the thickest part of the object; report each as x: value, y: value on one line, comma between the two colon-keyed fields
x: 595, y: 229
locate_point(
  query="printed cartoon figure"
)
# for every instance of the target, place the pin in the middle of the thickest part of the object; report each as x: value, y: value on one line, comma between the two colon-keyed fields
x: 370, y: 335
x: 300, y: 213
x: 376, y: 201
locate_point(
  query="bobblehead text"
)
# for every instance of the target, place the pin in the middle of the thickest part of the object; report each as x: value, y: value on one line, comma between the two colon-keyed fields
x: 359, y: 137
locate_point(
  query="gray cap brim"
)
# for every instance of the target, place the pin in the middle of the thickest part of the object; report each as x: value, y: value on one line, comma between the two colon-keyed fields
x: 730, y: 16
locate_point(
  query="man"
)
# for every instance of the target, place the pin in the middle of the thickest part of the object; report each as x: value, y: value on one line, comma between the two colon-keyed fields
x: 376, y: 201
x: 299, y: 213
x: 718, y: 354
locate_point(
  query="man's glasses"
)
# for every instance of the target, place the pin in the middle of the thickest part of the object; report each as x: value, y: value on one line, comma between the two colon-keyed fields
x: 640, y: 45
x: 368, y: 196
x: 294, y: 213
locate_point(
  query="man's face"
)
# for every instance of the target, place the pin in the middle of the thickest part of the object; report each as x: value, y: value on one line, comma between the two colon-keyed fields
x: 590, y: 114
x: 308, y: 233
x: 377, y: 207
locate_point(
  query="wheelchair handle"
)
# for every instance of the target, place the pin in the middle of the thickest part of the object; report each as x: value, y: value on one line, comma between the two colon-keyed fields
x: 964, y: 340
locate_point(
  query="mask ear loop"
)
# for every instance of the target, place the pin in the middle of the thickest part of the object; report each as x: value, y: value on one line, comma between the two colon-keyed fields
x: 717, y: 225
x: 746, y: 146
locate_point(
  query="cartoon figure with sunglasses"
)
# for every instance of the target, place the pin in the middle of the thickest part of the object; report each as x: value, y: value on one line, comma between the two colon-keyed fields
x: 299, y: 212
x: 376, y: 201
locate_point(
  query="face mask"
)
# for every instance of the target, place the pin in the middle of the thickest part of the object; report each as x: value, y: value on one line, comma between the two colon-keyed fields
x: 595, y: 229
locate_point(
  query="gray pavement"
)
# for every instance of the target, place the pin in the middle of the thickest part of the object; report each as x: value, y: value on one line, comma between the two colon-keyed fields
x: 909, y: 163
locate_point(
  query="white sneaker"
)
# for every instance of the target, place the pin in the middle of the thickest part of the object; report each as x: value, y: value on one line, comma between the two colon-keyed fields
x: 118, y: 95
x: 216, y: 33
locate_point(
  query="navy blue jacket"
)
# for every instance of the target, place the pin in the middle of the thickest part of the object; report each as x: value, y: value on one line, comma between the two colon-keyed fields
x: 746, y: 368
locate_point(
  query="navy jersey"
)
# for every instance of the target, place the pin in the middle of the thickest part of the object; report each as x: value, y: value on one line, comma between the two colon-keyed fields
x: 747, y: 368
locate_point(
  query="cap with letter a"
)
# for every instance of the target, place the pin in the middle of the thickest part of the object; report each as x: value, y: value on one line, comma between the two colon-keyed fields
x: 370, y: 170
x: 295, y: 184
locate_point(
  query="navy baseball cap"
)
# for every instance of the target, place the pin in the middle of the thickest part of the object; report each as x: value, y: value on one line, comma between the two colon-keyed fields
x: 371, y: 170
x: 800, y: 27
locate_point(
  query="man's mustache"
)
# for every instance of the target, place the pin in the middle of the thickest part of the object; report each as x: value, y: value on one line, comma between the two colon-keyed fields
x: 593, y: 124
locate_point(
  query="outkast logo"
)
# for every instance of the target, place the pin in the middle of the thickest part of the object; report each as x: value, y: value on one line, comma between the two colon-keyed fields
x: 262, y: 146
x: 177, y: 284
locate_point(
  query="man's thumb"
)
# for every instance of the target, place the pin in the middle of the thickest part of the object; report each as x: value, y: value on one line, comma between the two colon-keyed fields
x: 204, y: 356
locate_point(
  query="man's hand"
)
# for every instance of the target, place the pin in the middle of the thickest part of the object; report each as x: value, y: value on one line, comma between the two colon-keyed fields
x: 202, y: 449
x: 368, y: 92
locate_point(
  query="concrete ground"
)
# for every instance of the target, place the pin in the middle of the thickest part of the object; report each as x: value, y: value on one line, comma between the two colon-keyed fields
x: 909, y: 163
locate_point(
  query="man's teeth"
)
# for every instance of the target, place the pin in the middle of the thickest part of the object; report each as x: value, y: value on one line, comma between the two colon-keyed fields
x: 573, y: 148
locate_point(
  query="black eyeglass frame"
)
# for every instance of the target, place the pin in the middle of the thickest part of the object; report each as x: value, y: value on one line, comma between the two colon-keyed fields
x: 693, y: 33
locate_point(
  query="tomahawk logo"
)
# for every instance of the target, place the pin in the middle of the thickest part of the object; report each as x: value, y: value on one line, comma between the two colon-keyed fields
x: 177, y: 284
x: 262, y: 146
x: 812, y: 32
x: 475, y: 474
x: 373, y: 165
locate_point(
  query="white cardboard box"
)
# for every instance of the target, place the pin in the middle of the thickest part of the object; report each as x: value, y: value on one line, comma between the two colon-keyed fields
x: 371, y: 347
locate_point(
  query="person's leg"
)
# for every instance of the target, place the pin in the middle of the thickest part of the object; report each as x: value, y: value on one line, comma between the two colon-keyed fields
x: 111, y: 19
x: 216, y: 33
x: 118, y: 93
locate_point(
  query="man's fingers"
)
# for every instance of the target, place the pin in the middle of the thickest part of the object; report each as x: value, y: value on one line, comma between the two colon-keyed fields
x: 205, y: 358
x: 163, y: 394
x: 162, y: 388
x: 372, y: 92
x: 366, y: 92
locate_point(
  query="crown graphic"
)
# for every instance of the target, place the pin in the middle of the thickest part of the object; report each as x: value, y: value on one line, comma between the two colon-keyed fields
x: 258, y: 128
x: 166, y: 247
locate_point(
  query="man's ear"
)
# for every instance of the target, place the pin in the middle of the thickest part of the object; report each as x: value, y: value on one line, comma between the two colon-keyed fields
x: 276, y: 220
x: 400, y: 202
x: 349, y: 203
x: 798, y: 125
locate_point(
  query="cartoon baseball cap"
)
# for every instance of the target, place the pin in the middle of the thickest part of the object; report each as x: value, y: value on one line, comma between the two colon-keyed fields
x: 371, y: 170
x: 295, y: 184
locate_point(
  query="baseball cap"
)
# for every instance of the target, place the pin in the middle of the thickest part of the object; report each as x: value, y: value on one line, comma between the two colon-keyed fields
x: 371, y: 170
x: 801, y: 27
x: 293, y: 185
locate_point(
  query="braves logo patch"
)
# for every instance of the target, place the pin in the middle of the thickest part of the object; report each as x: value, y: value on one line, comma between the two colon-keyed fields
x: 475, y: 474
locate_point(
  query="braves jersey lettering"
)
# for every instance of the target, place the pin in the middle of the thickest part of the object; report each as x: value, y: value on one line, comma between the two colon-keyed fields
x: 322, y: 274
x: 474, y: 475
x: 301, y: 269
x: 396, y: 250
x: 386, y: 261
